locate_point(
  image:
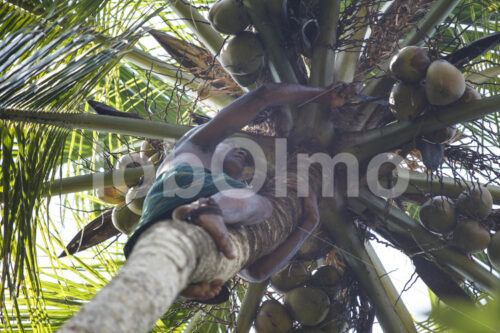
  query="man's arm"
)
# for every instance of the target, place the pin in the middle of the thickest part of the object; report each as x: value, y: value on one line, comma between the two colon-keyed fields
x: 266, y: 266
x: 243, y: 110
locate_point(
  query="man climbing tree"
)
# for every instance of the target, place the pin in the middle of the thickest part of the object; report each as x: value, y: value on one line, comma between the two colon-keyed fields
x: 428, y: 76
x: 212, y: 208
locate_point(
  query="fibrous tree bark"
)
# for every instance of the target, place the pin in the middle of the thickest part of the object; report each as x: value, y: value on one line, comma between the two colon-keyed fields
x: 169, y: 256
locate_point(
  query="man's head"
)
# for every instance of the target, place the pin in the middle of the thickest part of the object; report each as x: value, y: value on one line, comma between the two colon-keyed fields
x: 235, y: 159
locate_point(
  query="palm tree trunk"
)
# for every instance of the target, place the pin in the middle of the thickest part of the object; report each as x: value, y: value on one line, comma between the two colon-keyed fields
x: 169, y: 256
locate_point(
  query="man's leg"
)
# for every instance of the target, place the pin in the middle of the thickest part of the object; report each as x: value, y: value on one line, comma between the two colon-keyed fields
x: 206, y: 213
x: 227, y: 207
x: 269, y: 264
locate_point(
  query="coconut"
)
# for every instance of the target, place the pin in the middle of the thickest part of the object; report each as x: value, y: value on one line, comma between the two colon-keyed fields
x: 124, y: 219
x: 326, y: 277
x: 110, y: 195
x: 407, y: 100
x: 246, y: 80
x: 334, y: 321
x: 154, y: 159
x: 130, y: 160
x: 243, y: 54
x: 438, y: 214
x: 135, y: 198
x: 494, y: 250
x: 293, y: 275
x: 147, y: 150
x: 470, y: 94
x: 273, y: 318
x: 410, y: 64
x: 444, y: 83
x: 470, y: 236
x: 228, y: 17
x: 315, y: 246
x: 443, y: 135
x: 308, y: 305
x: 476, y: 203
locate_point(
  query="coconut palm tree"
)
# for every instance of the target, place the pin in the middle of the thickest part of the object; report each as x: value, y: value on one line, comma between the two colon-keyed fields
x: 159, y: 63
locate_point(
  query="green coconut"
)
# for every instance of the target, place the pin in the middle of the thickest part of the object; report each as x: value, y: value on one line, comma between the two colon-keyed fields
x: 308, y: 305
x: 470, y: 236
x: 407, y: 100
x: 135, y: 198
x: 444, y: 83
x: 124, y: 219
x: 130, y: 160
x: 410, y: 64
x: 315, y: 246
x: 470, y: 94
x: 438, y: 214
x: 326, y: 277
x: 154, y: 159
x: 110, y: 195
x: 494, y: 250
x: 228, y: 17
x: 273, y: 317
x: 246, y: 80
x: 476, y: 203
x: 243, y: 54
x: 443, y: 135
x: 334, y: 320
x: 147, y: 150
x: 293, y: 275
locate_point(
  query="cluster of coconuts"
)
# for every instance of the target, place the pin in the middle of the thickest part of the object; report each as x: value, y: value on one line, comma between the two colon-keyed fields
x: 462, y: 219
x: 309, y: 301
x: 243, y: 53
x: 128, y: 200
x: 423, y: 83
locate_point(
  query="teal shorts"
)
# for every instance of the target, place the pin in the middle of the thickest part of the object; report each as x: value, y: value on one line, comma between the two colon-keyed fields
x: 175, y: 187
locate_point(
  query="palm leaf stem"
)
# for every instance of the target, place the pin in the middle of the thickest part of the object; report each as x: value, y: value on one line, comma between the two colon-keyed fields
x: 82, y: 183
x: 273, y: 40
x: 249, y: 306
x: 322, y: 74
x: 345, y: 235
x: 93, y: 122
x: 448, y: 186
x: 392, y: 293
x: 279, y: 64
x: 199, y: 25
x: 347, y: 61
x: 427, y: 26
x: 385, y: 138
x: 399, y: 222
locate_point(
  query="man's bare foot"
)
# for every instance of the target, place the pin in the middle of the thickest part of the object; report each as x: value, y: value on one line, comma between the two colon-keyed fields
x: 203, y: 290
x: 206, y: 213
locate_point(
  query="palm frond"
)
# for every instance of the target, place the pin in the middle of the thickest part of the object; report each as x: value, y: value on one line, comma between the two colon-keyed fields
x: 48, y: 62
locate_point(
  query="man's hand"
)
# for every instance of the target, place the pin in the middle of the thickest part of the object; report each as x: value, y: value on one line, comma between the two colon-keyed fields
x: 207, y: 214
x: 337, y: 94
